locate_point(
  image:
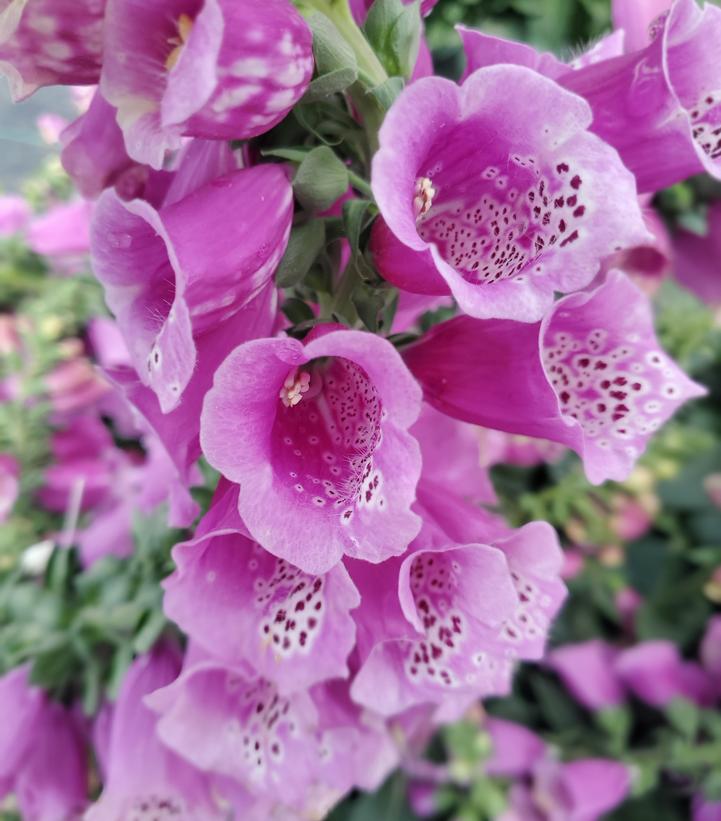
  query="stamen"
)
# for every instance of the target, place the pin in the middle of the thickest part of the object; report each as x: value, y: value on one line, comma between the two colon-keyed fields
x: 185, y: 26
x: 295, y: 385
x: 423, y: 200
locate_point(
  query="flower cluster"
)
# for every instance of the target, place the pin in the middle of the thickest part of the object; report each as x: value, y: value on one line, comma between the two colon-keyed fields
x: 280, y: 207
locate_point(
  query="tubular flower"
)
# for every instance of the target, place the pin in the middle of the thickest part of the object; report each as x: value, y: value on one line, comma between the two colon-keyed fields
x: 590, y: 375
x: 340, y: 457
x: 485, y: 195
x: 219, y: 69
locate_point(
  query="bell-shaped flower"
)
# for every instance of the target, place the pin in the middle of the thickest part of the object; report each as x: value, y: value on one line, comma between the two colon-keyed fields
x: 219, y: 69
x: 485, y: 196
x: 144, y: 779
x: 243, y: 604
x: 591, y: 375
x: 162, y: 285
x: 316, y: 435
x: 50, y: 42
x: 586, y: 669
x: 660, y: 107
x: 473, y: 609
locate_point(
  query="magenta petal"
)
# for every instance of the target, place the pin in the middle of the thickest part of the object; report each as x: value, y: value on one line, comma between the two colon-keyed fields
x: 244, y: 67
x: 658, y: 107
x: 49, y: 42
x: 593, y: 786
x: 590, y: 376
x: 697, y: 259
x: 483, y: 50
x: 515, y: 748
x: 161, y: 284
x: 20, y: 707
x: 339, y: 456
x: 141, y: 771
x: 245, y: 605
x: 586, y: 669
x: 510, y: 205
x: 638, y: 18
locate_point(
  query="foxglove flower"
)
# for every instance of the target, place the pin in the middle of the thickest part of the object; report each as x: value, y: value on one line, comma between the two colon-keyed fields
x: 220, y: 69
x: 474, y: 610
x: 162, y: 285
x: 244, y: 605
x: 590, y: 375
x: 697, y: 259
x: 315, y: 434
x: 46, y: 42
x: 145, y: 779
x: 290, y: 750
x: 587, y: 671
x: 485, y: 195
x: 654, y: 672
x: 94, y: 153
x: 14, y: 214
x: 660, y: 107
x: 42, y: 753
x: 710, y: 651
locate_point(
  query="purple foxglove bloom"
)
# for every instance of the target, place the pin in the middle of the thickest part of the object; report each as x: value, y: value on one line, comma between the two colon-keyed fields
x: 94, y: 153
x: 234, y: 725
x: 20, y: 707
x: 316, y: 435
x: 145, y: 780
x: 482, y: 195
x: 62, y: 235
x: 52, y: 782
x: 660, y: 106
x: 655, y: 672
x: 638, y: 19
x: 162, y: 285
x: 706, y: 810
x: 587, y: 671
x: 46, y: 42
x: 179, y: 430
x: 710, y: 651
x: 245, y: 605
x: 474, y: 610
x: 9, y: 484
x: 516, y: 749
x: 219, y: 69
x: 14, y: 214
x: 42, y: 755
x: 650, y: 263
x: 590, y: 375
x: 698, y: 259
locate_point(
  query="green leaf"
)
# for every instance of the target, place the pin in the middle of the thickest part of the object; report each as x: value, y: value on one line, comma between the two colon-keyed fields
x: 394, y: 31
x: 305, y: 243
x: 335, y: 60
x: 297, y: 311
x: 320, y: 180
x: 684, y: 717
x: 386, y: 93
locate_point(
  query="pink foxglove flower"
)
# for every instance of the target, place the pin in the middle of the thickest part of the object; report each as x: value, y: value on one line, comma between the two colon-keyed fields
x: 485, y: 196
x: 470, y: 611
x: 655, y: 673
x: 42, y: 753
x: 587, y: 671
x: 660, y: 107
x: 14, y: 214
x: 710, y: 651
x: 144, y: 778
x: 638, y: 19
x: 698, y: 259
x: 590, y: 375
x: 161, y: 283
x: 220, y: 69
x: 316, y: 435
x: 288, y: 750
x: 244, y: 605
x: 46, y: 42
x: 62, y: 235
x: 94, y: 153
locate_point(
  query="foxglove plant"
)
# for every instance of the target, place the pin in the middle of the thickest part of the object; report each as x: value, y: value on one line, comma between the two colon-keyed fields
x: 320, y: 322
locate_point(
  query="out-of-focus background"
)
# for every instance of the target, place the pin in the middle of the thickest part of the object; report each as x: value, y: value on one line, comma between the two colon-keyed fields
x: 634, y: 672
